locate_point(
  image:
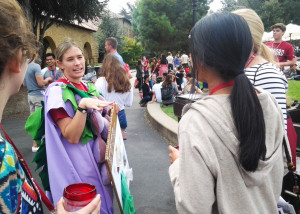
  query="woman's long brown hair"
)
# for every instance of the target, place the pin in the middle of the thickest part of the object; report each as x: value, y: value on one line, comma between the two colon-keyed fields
x: 115, y: 74
x: 168, y: 80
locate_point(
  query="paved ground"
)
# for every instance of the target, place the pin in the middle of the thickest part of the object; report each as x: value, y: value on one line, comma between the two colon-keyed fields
x: 147, y: 153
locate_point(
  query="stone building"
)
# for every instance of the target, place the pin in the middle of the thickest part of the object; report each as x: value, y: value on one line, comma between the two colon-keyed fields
x: 83, y: 34
x: 125, y: 26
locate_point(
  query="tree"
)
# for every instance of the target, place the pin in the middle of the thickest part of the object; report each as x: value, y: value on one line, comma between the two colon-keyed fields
x: 127, y: 13
x: 270, y: 11
x: 43, y: 14
x: 130, y: 50
x: 164, y: 25
x: 284, y: 11
x: 109, y: 27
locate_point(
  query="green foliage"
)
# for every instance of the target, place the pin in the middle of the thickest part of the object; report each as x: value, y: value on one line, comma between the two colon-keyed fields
x: 284, y: 11
x: 45, y: 13
x: 127, y: 13
x: 164, y: 25
x: 169, y: 111
x: 270, y: 11
x: 130, y: 50
x: 109, y: 27
x: 293, y: 90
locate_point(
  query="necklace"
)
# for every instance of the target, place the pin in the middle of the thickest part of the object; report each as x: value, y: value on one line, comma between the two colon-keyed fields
x: 222, y: 85
x: 54, y: 73
x: 71, y: 83
x: 68, y: 81
x: 277, y: 45
x: 250, y: 60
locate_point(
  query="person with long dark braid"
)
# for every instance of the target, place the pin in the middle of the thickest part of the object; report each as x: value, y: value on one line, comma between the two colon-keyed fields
x: 230, y: 157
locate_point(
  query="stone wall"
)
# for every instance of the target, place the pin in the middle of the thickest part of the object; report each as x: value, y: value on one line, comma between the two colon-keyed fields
x: 85, y: 38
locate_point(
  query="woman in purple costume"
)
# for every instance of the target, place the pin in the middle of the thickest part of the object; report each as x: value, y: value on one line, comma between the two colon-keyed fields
x: 69, y: 159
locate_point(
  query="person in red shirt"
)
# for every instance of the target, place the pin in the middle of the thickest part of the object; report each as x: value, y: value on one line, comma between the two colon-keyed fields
x: 283, y: 50
x: 145, y: 64
x: 285, y: 53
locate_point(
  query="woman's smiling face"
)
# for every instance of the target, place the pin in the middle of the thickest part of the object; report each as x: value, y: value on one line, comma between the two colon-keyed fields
x: 73, y: 64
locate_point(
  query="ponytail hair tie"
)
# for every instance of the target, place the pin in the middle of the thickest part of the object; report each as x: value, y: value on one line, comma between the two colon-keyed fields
x: 239, y: 73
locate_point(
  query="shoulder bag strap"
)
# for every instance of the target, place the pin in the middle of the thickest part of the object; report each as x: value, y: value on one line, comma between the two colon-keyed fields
x: 39, y: 191
x: 290, y: 164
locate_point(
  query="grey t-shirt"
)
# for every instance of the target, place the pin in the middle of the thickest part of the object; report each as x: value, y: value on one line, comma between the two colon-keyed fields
x: 55, y: 74
x: 33, y: 88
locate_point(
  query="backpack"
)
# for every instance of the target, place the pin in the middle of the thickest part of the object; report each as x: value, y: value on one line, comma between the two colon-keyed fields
x: 166, y: 92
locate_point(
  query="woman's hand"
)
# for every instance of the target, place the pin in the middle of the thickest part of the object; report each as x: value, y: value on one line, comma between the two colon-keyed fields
x: 117, y: 107
x: 92, y: 208
x: 174, y: 154
x: 91, y: 103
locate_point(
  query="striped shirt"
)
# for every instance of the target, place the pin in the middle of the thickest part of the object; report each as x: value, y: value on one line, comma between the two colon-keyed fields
x: 271, y: 79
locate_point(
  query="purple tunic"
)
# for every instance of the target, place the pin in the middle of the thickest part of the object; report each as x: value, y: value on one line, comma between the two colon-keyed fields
x: 72, y: 163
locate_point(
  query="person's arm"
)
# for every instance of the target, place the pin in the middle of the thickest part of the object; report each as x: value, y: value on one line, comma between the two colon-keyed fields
x: 153, y: 98
x: 288, y: 63
x: 191, y: 166
x: 72, y: 128
x: 42, y: 82
x: 175, y: 88
x: 198, y: 90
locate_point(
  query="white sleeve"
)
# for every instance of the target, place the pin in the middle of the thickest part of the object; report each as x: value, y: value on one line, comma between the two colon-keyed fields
x: 97, y: 84
x: 129, y: 98
x: 101, y: 85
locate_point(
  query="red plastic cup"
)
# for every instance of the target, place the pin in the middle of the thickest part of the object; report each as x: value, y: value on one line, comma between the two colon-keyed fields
x: 78, y: 195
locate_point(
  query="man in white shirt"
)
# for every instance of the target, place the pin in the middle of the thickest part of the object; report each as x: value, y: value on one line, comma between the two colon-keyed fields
x: 184, y: 60
x: 170, y: 61
x: 156, y: 96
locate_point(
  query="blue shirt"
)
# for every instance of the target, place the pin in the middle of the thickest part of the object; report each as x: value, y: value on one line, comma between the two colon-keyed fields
x: 119, y: 57
x: 176, y: 61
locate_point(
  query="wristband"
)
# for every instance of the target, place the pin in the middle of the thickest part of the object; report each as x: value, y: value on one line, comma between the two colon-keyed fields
x: 82, y: 110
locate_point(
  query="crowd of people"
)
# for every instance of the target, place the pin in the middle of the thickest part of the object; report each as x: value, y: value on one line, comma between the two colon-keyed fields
x: 165, y: 78
x: 237, y: 158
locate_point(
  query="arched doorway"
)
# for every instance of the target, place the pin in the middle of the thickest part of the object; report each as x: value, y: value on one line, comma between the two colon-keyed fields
x: 87, y: 53
x: 48, y: 47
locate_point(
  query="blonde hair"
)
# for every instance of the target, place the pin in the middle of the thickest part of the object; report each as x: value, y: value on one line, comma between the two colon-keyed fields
x: 188, y: 87
x: 64, y: 47
x: 257, y: 30
x: 15, y: 33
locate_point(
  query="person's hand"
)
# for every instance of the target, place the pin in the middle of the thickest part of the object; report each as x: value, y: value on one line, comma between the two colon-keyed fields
x: 117, y: 107
x: 91, y: 103
x: 92, y: 81
x: 49, y: 79
x: 151, y: 102
x: 174, y: 154
x: 92, y: 208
